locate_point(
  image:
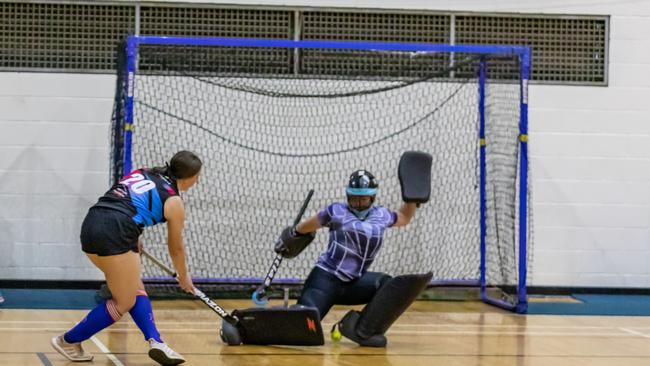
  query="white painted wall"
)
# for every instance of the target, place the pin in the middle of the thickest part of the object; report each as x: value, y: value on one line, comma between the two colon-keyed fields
x: 590, y: 155
x: 54, y: 160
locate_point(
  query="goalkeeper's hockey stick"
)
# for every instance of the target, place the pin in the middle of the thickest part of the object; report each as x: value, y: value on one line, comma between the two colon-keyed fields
x: 259, y: 296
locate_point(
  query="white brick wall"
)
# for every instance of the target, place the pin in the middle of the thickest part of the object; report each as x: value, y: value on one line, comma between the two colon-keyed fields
x: 590, y: 156
x: 590, y: 152
x: 53, y: 165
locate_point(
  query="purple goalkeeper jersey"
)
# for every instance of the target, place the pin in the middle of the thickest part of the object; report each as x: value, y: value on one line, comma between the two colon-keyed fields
x: 353, y: 243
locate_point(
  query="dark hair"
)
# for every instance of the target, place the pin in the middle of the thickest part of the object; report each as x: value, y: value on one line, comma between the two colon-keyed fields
x: 184, y: 164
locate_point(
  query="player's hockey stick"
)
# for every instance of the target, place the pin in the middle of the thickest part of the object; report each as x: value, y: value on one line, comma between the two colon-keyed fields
x: 259, y: 296
x: 198, y: 293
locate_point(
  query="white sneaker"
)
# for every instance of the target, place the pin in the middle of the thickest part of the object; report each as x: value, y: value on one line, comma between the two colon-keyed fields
x: 71, y: 351
x: 161, y: 353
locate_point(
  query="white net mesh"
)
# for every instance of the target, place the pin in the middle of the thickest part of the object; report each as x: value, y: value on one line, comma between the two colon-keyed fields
x: 267, y: 137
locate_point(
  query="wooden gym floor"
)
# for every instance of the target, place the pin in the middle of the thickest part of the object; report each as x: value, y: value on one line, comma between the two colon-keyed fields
x: 430, y: 333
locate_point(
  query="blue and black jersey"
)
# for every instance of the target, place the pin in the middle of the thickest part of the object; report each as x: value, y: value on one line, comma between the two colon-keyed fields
x: 141, y: 195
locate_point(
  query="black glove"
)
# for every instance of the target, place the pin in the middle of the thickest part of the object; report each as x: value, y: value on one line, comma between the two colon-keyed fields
x: 414, y: 172
x: 291, y: 243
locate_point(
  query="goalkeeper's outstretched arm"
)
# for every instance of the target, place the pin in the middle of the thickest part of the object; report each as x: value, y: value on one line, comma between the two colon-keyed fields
x: 405, y: 214
x: 309, y: 226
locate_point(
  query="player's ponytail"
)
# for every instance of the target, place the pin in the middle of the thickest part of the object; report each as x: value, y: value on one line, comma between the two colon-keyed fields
x: 183, y: 164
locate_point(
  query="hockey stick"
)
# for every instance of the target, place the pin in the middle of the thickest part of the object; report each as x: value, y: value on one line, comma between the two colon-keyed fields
x: 198, y: 293
x: 259, y: 296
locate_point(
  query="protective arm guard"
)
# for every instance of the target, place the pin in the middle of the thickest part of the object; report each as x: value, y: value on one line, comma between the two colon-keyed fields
x: 291, y: 243
x: 414, y: 173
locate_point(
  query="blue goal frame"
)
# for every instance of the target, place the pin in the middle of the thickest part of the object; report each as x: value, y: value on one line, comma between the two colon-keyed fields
x: 522, y: 52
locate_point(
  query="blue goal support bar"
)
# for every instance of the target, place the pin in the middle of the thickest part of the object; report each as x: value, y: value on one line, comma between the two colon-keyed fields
x: 523, y: 53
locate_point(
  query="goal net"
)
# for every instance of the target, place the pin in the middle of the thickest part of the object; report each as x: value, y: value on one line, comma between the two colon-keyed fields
x: 272, y: 119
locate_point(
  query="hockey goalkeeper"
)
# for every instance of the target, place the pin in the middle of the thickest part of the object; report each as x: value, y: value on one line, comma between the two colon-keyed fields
x: 356, y: 229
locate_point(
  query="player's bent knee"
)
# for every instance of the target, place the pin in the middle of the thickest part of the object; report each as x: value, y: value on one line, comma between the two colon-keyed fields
x: 124, y: 305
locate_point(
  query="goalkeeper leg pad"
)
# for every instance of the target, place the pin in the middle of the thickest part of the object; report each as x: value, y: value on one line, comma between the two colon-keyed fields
x: 392, y: 299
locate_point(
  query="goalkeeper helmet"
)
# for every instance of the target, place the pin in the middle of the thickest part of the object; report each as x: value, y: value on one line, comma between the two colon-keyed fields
x: 362, y: 183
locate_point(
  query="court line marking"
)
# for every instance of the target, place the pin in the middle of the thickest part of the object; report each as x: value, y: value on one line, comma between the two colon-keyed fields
x: 43, y: 357
x: 461, y: 329
x: 106, y: 351
x: 357, y: 354
x: 622, y: 334
x: 397, y: 325
x: 634, y: 332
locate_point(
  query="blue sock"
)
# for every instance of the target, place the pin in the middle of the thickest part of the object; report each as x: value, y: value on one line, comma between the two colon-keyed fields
x: 99, y: 318
x: 142, y: 315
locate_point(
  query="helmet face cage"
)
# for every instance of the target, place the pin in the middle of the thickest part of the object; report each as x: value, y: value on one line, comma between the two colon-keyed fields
x: 362, y: 183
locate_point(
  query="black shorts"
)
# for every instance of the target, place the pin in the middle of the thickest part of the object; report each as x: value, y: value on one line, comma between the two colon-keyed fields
x: 108, y: 232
